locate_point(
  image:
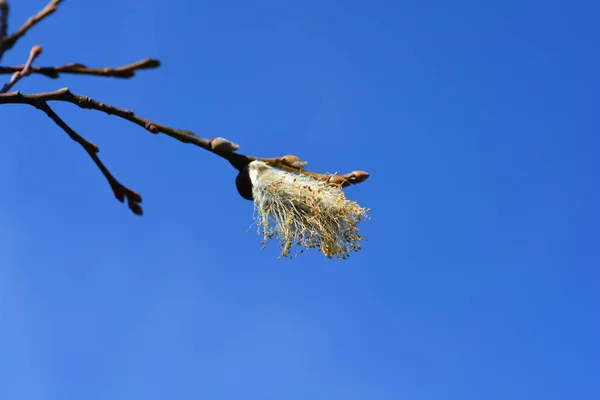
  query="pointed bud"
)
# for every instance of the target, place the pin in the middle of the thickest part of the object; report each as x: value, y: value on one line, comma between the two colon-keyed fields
x: 222, y: 145
x: 136, y: 208
x: 358, y: 176
x: 294, y: 162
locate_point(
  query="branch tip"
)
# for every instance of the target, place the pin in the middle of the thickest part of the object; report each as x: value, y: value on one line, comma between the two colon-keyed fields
x: 9, y: 41
x: 24, y: 71
x: 123, y: 72
x: 359, y: 176
x: 35, y: 51
x: 136, y: 208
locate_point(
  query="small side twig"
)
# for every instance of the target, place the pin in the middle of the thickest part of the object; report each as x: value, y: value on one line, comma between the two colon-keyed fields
x: 25, y: 70
x: 124, y: 72
x: 120, y: 191
x: 9, y: 41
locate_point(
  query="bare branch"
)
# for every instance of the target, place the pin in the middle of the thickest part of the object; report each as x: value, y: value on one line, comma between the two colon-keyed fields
x: 9, y: 41
x: 3, y: 20
x: 313, y: 213
x: 26, y: 69
x: 219, y: 146
x: 85, y: 102
x: 239, y: 161
x: 125, y: 71
x: 120, y: 191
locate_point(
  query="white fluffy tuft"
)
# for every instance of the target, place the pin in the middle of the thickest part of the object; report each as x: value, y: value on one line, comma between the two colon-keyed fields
x: 303, y: 211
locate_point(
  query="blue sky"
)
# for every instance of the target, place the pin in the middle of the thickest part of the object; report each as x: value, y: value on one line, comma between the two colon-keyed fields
x: 478, y: 123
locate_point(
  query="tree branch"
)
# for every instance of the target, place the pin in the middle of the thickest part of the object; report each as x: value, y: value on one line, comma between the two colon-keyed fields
x: 9, y: 41
x: 25, y: 70
x: 3, y: 21
x: 219, y: 146
x: 125, y: 71
x: 120, y: 191
x: 239, y: 161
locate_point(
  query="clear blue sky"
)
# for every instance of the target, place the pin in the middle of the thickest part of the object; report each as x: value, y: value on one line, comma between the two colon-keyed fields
x: 477, y: 120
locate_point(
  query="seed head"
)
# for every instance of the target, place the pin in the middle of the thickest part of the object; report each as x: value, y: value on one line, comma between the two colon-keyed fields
x: 302, y: 211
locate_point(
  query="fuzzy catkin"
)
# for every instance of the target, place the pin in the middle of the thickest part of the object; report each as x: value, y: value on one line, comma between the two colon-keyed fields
x: 303, y: 211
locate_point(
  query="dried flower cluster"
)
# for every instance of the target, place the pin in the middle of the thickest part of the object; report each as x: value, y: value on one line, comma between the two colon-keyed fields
x: 303, y: 211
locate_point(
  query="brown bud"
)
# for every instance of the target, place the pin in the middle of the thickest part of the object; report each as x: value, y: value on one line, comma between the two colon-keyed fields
x: 35, y: 51
x: 359, y: 176
x: 136, y: 208
x: 151, y: 127
x: 222, y: 145
x: 294, y: 161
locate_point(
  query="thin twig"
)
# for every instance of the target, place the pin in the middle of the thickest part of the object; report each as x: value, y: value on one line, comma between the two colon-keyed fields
x: 239, y: 161
x: 120, y: 191
x: 25, y: 70
x: 3, y: 21
x: 10, y: 41
x: 125, y: 71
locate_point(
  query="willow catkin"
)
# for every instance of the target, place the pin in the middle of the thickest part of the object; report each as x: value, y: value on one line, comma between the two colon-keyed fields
x: 302, y: 211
